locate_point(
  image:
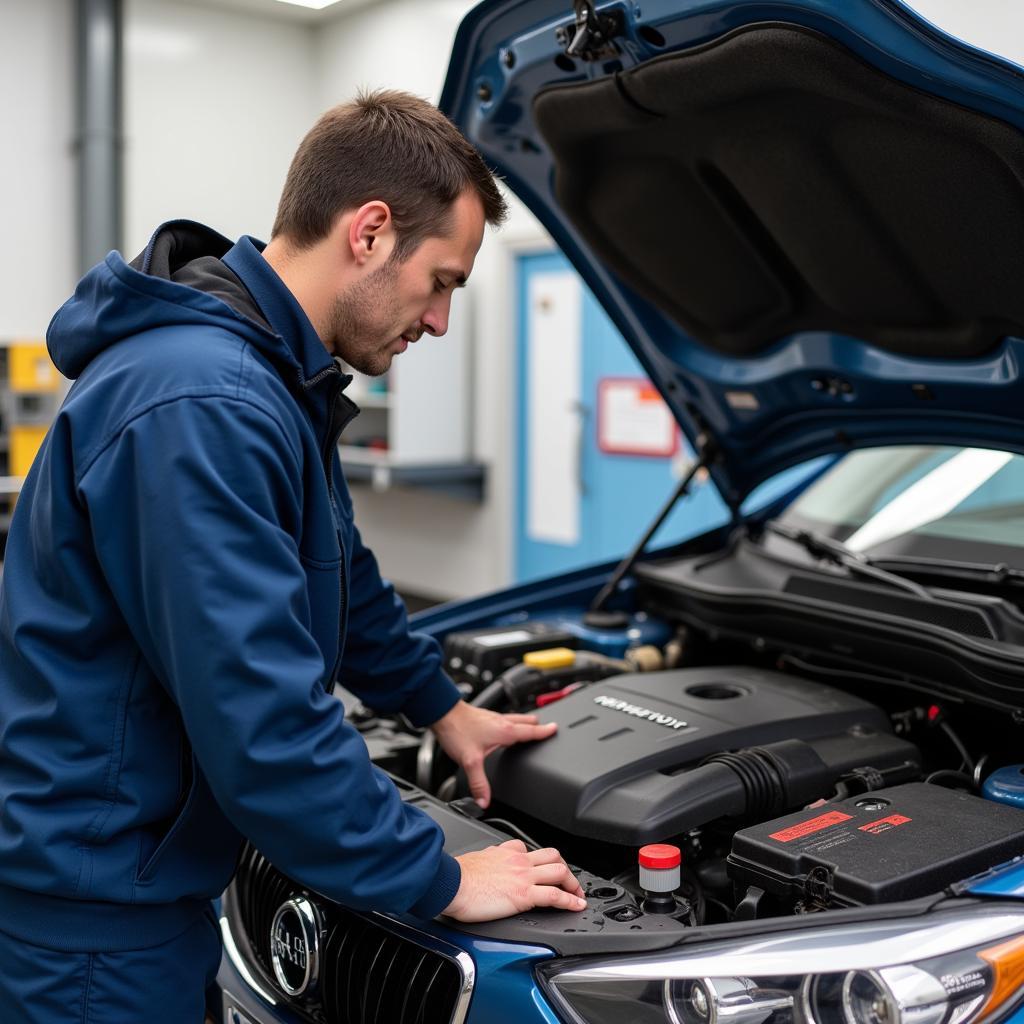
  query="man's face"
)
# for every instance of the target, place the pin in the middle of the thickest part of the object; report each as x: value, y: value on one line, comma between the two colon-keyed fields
x: 379, y: 316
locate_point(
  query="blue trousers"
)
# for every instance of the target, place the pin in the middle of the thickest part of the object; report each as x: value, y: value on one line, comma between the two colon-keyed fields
x: 162, y: 985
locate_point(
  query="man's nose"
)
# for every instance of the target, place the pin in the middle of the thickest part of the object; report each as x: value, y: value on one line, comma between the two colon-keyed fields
x: 435, y: 319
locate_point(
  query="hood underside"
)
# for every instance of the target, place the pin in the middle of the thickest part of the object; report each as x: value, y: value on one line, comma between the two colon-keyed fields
x: 808, y: 229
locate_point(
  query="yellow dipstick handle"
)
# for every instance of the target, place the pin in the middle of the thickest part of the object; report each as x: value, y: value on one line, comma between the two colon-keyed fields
x: 553, y: 657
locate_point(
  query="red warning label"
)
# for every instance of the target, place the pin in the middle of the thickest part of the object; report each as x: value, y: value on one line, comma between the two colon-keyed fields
x: 806, y: 828
x: 883, y: 824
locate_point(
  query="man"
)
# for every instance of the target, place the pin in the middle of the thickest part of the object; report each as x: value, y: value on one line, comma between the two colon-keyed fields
x: 184, y: 585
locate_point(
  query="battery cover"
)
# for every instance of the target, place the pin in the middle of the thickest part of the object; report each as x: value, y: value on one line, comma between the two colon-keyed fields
x: 893, y: 844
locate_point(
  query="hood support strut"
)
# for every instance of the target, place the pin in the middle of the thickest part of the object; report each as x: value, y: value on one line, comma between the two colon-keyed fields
x: 708, y: 453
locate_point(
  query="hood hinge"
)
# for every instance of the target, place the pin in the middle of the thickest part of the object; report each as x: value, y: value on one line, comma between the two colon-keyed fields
x: 591, y: 37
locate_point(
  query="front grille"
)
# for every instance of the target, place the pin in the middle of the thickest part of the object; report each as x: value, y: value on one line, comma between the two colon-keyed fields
x: 369, y: 973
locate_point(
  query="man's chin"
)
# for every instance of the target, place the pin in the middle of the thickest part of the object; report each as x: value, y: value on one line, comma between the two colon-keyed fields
x: 375, y: 367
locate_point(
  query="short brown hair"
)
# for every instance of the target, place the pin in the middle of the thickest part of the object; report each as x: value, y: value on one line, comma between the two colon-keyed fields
x: 385, y: 145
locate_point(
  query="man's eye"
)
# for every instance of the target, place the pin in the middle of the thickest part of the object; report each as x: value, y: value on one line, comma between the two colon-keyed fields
x: 439, y: 285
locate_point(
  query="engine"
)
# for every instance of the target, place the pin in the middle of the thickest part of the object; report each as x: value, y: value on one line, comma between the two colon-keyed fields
x: 639, y: 758
x: 784, y: 794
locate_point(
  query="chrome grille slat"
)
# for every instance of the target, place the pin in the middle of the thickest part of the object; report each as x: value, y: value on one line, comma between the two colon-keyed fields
x: 409, y: 987
x: 355, y: 969
x: 387, y: 978
x: 367, y: 985
x: 370, y: 972
x: 421, y: 1017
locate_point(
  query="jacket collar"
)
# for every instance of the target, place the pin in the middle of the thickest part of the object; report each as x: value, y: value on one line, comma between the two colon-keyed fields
x: 281, y: 308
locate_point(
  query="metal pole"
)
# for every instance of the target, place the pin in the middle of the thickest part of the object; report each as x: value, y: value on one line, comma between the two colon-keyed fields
x: 638, y: 549
x: 99, y: 128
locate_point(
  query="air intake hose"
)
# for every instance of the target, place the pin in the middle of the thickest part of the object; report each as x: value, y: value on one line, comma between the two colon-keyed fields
x: 776, y: 777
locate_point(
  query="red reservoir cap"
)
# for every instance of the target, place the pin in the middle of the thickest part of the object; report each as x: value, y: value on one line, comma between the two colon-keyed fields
x: 660, y: 856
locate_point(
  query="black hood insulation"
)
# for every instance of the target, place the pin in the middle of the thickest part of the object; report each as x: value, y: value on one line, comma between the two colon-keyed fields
x: 770, y: 182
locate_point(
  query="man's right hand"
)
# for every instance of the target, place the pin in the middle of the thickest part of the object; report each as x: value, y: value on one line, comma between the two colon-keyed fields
x: 509, y: 879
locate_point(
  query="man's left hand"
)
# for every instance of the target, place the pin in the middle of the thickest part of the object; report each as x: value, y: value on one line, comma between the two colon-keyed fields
x: 468, y: 734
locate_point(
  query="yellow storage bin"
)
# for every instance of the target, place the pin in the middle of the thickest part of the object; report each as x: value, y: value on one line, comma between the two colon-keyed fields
x: 29, y: 367
x: 25, y: 442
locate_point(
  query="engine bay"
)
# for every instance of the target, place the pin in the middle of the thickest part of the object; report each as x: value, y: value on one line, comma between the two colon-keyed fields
x: 789, y: 787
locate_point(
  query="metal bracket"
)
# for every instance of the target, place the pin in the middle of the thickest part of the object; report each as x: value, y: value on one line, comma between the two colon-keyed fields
x: 818, y: 886
x: 591, y: 38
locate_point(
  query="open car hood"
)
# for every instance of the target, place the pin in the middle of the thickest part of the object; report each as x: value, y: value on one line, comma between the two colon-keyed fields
x: 805, y: 217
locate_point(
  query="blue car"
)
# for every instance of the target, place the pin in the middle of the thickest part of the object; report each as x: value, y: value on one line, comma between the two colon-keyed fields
x: 789, y: 769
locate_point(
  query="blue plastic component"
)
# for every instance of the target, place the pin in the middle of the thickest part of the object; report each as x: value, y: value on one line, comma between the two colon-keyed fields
x: 615, y: 642
x: 1006, y: 881
x: 1006, y: 786
x: 639, y: 631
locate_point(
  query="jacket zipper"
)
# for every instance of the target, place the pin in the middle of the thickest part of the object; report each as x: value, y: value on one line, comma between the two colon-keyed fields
x: 336, y: 424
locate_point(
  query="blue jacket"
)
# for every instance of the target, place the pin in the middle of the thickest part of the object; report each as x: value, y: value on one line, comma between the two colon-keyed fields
x: 183, y: 585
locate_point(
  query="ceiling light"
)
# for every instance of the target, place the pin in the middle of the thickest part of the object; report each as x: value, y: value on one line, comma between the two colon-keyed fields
x: 317, y: 5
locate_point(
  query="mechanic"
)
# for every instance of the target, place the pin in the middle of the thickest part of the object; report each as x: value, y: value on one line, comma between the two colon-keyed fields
x: 184, y: 585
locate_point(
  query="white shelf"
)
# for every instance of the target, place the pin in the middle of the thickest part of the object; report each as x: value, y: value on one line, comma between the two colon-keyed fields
x: 382, y: 471
x: 354, y: 455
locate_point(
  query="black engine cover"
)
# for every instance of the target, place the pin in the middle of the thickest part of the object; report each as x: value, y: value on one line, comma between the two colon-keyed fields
x: 641, y: 758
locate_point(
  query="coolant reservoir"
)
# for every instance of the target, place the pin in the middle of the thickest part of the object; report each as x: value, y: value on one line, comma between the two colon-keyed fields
x: 1006, y: 785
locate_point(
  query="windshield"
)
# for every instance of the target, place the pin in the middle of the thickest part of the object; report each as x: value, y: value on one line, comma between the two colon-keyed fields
x: 947, y: 503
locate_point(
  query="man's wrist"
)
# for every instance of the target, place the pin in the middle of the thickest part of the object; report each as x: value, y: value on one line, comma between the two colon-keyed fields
x: 450, y: 717
x: 442, y: 889
x: 432, y: 701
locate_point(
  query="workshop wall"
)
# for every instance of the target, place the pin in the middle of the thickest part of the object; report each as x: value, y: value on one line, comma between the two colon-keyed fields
x: 216, y: 102
x: 37, y: 183
x: 401, y: 44
x: 993, y: 25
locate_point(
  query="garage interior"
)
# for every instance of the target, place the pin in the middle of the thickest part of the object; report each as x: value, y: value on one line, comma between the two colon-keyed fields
x: 196, y: 114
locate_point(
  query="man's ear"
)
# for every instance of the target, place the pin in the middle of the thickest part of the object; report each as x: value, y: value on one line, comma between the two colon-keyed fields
x: 371, y: 234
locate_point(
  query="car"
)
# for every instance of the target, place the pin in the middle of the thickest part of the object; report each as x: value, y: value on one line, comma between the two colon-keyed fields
x: 788, y: 770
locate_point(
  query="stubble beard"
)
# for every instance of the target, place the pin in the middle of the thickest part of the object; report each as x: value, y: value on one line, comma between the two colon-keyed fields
x: 360, y: 319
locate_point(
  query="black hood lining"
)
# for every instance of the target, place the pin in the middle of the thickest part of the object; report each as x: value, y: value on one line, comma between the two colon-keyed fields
x: 177, y: 243
x: 189, y: 253
x: 771, y: 182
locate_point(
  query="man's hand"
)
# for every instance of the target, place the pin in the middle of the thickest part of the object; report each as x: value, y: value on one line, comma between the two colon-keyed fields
x: 509, y: 879
x: 468, y: 734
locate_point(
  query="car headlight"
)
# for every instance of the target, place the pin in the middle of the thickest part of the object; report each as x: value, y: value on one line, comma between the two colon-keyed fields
x: 948, y: 967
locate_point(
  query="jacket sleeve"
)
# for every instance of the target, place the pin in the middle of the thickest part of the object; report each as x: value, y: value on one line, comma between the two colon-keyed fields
x: 385, y: 665
x: 195, y: 507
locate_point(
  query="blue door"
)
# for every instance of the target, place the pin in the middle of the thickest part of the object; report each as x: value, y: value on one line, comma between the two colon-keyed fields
x: 586, y: 411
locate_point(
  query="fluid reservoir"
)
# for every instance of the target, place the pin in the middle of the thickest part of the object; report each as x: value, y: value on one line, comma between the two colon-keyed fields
x: 613, y: 633
x: 1006, y: 785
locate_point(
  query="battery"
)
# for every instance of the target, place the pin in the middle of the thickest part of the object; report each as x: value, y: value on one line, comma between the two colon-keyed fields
x: 892, y: 844
x: 480, y: 656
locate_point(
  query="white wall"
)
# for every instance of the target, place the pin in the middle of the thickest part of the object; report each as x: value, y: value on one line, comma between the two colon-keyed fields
x: 38, y: 248
x: 399, y: 44
x: 216, y: 102
x: 993, y: 25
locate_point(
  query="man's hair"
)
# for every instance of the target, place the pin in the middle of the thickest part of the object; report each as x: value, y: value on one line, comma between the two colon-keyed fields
x: 385, y: 145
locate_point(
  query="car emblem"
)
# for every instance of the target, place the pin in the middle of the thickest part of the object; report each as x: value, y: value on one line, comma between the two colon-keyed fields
x: 295, y: 946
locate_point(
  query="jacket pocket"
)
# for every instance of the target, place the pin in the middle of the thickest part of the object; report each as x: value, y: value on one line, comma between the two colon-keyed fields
x: 188, y: 788
x: 197, y: 854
